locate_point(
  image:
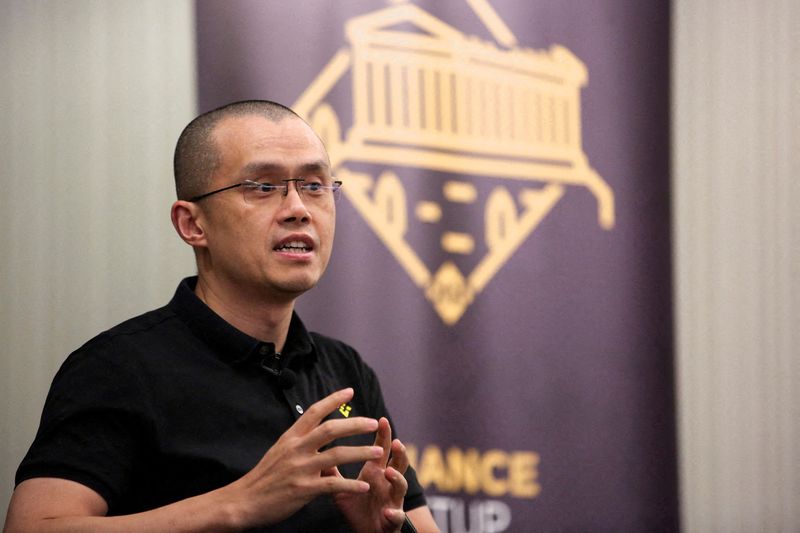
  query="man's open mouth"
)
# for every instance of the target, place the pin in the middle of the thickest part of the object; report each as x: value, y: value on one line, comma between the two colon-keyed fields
x: 296, y: 247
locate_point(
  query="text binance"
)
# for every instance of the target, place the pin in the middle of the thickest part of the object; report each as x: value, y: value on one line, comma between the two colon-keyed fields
x: 492, y: 472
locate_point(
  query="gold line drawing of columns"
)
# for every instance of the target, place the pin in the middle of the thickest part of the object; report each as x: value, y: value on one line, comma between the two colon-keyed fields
x: 440, y: 100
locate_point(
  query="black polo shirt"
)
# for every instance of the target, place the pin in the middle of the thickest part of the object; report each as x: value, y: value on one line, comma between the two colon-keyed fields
x: 177, y: 402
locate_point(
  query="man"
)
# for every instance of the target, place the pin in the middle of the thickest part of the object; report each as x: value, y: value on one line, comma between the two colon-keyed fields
x: 162, y: 423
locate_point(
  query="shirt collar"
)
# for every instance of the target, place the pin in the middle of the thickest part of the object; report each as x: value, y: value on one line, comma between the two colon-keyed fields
x: 230, y: 344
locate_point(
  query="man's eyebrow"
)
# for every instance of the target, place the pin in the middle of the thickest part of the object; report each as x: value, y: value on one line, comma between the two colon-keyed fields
x: 262, y: 167
x: 315, y: 167
x: 273, y: 168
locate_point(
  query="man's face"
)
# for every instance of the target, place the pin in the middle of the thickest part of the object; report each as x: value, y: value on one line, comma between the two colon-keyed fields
x: 279, y: 247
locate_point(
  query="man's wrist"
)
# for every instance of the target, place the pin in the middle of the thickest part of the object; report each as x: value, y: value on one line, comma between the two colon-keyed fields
x: 232, y: 515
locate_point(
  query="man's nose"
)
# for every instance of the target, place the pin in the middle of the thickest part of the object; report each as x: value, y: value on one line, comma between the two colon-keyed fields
x: 293, y: 205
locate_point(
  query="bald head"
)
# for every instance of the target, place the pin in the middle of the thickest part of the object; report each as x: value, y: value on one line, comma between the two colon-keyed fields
x: 197, y: 155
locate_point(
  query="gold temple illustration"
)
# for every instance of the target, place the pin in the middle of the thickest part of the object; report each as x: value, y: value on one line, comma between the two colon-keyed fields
x: 427, y: 96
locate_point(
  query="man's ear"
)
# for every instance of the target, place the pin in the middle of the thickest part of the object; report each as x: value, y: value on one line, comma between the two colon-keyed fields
x: 185, y: 218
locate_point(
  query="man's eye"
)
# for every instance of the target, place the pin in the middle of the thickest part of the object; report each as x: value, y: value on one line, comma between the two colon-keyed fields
x: 312, y: 187
x: 266, y: 187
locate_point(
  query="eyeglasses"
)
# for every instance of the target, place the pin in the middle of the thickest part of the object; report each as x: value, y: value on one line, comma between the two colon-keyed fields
x: 254, y: 191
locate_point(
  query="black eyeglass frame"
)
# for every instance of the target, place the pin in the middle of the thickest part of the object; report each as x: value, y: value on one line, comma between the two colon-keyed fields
x: 250, y: 183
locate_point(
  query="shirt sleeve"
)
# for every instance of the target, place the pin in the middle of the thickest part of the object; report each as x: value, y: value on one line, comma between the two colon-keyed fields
x: 92, y: 425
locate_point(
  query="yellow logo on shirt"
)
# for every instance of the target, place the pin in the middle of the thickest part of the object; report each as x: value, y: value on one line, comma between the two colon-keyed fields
x: 345, y: 410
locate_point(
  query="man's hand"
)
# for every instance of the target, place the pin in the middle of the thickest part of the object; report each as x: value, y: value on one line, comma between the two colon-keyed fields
x: 380, y: 509
x: 291, y: 473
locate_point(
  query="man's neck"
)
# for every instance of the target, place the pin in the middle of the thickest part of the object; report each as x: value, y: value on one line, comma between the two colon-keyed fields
x: 265, y: 320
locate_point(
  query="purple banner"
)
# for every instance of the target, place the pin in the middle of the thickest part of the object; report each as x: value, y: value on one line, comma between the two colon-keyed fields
x: 502, y: 256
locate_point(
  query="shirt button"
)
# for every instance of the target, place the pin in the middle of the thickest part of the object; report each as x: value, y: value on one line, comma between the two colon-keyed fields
x: 264, y: 350
x: 299, y: 409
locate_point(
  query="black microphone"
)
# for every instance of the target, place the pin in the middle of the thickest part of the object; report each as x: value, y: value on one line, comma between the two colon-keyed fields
x: 285, y: 377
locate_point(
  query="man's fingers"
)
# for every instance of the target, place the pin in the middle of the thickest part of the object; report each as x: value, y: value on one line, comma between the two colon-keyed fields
x: 399, y: 460
x: 318, y: 411
x: 334, y: 484
x: 331, y: 430
x: 399, y: 485
x: 342, y: 455
x: 383, y: 438
x: 396, y: 517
